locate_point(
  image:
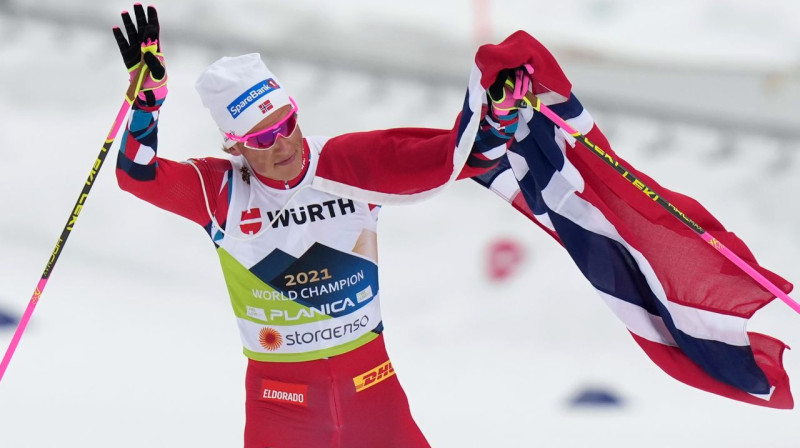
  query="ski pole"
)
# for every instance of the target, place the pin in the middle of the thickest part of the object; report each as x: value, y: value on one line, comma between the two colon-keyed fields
x: 130, y: 96
x: 538, y: 106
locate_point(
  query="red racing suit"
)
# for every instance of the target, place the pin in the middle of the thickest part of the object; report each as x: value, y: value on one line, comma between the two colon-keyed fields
x: 301, y: 271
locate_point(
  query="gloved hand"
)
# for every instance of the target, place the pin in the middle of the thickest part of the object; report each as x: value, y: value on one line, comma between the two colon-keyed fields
x: 143, y: 48
x: 507, y: 94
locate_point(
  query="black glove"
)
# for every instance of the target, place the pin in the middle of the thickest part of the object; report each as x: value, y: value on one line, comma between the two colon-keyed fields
x: 497, y: 89
x: 143, y: 44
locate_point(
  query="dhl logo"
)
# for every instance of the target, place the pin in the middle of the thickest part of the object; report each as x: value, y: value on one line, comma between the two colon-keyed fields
x: 374, y: 376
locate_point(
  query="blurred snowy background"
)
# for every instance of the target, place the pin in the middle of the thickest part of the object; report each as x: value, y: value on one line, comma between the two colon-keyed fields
x: 134, y: 344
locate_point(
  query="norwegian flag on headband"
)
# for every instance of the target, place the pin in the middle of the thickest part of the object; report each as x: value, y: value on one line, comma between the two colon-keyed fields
x: 684, y: 303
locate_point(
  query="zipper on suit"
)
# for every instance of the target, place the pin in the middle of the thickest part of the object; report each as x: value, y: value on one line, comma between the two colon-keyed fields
x: 336, y: 409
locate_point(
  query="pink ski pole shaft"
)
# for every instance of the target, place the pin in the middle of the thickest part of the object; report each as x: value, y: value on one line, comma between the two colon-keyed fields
x: 130, y: 96
x: 622, y: 170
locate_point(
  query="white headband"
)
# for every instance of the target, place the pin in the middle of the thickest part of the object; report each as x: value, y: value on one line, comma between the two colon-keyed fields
x: 239, y: 92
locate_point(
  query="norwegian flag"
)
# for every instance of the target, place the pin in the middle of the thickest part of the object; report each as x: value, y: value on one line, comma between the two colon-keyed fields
x: 685, y: 304
x: 266, y: 106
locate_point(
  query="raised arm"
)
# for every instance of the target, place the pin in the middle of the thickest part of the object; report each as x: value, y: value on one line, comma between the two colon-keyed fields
x: 172, y: 186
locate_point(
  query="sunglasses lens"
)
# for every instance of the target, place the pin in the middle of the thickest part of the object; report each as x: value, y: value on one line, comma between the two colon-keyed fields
x: 267, y: 139
x: 262, y: 141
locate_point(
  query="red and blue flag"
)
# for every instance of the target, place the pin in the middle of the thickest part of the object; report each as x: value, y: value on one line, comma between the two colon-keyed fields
x: 685, y: 304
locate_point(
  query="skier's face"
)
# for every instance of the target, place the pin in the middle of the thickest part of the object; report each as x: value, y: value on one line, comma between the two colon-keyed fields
x: 284, y: 160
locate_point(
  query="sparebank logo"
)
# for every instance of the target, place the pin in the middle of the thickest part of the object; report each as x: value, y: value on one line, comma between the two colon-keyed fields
x: 250, y: 223
x: 248, y: 98
x: 270, y: 339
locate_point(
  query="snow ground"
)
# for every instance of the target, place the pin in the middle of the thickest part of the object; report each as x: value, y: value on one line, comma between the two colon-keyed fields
x: 133, y: 343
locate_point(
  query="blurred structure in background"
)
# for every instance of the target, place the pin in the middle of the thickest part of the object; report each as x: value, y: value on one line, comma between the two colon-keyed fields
x: 7, y: 320
x: 503, y: 259
x: 596, y: 397
x: 704, y: 78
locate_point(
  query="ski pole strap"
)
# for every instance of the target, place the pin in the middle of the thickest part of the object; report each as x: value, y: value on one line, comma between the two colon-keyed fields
x: 537, y: 105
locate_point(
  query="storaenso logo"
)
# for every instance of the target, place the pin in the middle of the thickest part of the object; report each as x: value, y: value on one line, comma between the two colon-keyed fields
x: 327, y: 334
x: 249, y: 97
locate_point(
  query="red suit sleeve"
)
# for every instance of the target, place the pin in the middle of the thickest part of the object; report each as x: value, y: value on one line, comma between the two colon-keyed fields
x: 172, y: 186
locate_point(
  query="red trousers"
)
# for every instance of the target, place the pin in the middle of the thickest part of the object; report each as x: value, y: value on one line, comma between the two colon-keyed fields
x: 353, y: 400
